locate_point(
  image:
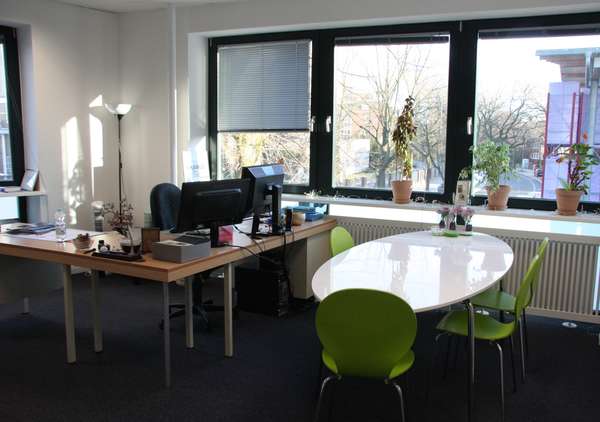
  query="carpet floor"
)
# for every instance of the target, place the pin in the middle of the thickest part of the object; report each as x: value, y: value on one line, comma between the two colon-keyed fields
x: 273, y: 376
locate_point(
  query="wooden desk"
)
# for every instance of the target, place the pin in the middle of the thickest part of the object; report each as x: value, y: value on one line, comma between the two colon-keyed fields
x: 159, y: 271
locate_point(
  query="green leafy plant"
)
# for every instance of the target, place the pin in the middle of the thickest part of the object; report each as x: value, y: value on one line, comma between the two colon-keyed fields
x: 403, y: 134
x: 465, y: 174
x: 492, y: 162
x: 580, y: 158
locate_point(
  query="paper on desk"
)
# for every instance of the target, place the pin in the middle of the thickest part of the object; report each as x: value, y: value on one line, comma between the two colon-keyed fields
x: 51, y: 236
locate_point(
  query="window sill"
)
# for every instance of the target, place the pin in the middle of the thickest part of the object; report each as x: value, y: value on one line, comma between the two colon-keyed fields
x: 583, y: 217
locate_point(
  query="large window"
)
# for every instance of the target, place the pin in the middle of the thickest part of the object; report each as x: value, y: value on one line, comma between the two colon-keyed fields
x: 11, y: 141
x: 263, y: 105
x: 536, y: 94
x: 325, y: 103
x: 372, y: 80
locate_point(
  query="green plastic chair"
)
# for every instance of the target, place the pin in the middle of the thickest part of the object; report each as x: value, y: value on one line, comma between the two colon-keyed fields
x: 489, y: 329
x: 502, y: 301
x: 340, y: 240
x: 366, y: 333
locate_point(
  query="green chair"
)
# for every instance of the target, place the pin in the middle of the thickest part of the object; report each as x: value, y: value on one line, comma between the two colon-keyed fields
x: 502, y: 301
x: 366, y: 333
x: 489, y: 329
x: 340, y: 240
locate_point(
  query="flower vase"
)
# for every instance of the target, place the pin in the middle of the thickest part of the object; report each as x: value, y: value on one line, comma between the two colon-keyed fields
x: 442, y: 224
x: 468, y: 225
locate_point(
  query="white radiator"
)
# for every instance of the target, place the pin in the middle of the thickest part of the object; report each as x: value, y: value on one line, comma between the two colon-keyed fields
x: 567, y: 287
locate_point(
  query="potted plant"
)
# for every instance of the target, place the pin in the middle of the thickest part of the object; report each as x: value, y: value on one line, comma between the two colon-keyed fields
x: 580, y: 158
x: 492, y: 162
x: 402, y: 136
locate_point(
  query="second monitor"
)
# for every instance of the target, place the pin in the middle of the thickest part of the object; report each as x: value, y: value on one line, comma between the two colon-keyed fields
x: 266, y: 186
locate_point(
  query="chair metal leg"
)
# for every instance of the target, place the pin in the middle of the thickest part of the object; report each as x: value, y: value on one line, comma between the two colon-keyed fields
x: 500, y: 360
x: 512, y: 362
x: 522, y: 350
x: 320, y: 401
x: 526, y: 335
x: 320, y: 375
x: 399, y: 390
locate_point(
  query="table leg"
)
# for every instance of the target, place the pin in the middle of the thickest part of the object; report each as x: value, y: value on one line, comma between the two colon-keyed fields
x: 69, y: 315
x: 167, y: 334
x: 471, y: 377
x: 228, y: 309
x: 26, y: 306
x: 98, y: 344
x: 189, y: 313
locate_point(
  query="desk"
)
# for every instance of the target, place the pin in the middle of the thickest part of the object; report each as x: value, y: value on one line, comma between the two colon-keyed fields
x: 159, y: 271
x: 427, y: 271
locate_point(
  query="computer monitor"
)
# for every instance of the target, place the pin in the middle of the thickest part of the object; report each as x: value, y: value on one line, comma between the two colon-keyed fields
x: 266, y: 186
x: 212, y: 204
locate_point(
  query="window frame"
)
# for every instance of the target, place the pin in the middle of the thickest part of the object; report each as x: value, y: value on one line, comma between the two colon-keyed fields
x: 461, y: 96
x: 8, y: 36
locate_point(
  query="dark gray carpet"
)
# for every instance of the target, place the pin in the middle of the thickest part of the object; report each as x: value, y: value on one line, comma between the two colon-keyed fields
x: 272, y: 377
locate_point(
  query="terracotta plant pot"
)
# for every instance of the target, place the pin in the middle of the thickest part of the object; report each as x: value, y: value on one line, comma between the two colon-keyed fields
x: 498, y: 199
x: 401, y: 190
x: 567, y: 201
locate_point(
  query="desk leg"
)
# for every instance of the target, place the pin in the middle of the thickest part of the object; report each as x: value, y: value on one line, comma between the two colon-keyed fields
x: 69, y: 318
x: 167, y: 334
x: 228, y: 309
x: 26, y: 306
x: 98, y: 346
x: 189, y: 313
x: 471, y: 376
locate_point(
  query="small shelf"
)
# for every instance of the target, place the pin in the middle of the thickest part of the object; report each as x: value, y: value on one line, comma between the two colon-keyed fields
x: 22, y: 193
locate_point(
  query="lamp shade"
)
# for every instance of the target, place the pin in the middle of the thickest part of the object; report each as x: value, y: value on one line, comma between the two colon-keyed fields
x: 118, y: 109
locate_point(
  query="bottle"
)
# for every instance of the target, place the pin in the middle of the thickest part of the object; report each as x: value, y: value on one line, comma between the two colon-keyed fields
x: 60, y: 225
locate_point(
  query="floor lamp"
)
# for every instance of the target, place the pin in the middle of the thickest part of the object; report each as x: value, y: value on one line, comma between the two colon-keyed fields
x: 119, y: 110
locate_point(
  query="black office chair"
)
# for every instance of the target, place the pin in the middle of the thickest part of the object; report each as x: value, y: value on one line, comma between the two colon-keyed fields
x: 164, y: 206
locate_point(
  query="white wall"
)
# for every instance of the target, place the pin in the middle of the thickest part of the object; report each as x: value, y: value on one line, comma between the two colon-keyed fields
x: 144, y: 81
x: 69, y: 56
x: 196, y: 23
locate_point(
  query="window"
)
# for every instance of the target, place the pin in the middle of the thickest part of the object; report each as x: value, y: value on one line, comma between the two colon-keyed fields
x: 11, y: 144
x: 371, y: 82
x: 325, y: 103
x: 538, y: 93
x: 264, y: 107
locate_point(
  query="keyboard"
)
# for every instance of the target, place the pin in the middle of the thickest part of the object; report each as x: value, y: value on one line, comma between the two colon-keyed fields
x: 192, y: 240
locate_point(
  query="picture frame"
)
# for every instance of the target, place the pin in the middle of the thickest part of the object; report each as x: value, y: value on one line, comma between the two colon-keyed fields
x: 29, y: 180
x: 462, y: 193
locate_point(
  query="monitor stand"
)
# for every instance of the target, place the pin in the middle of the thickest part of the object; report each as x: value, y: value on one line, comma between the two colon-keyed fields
x: 214, y: 235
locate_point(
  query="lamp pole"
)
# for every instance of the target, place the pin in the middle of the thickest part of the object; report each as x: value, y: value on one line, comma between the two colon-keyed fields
x: 119, y: 110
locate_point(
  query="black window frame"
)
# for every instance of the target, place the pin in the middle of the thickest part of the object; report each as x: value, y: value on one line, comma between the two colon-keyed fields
x: 8, y: 37
x: 461, y: 95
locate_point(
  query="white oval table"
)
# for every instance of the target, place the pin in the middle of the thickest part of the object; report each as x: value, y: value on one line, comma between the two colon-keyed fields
x: 427, y: 271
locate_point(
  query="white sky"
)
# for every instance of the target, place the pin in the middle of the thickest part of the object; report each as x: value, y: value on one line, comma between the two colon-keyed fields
x: 503, y: 65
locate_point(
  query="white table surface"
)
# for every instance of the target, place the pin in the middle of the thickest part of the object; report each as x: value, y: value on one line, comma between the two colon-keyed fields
x: 427, y: 271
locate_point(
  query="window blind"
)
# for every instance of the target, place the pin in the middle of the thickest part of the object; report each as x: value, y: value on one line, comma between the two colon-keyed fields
x: 264, y: 87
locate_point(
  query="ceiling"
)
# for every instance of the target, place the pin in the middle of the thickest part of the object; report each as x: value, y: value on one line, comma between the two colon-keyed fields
x: 133, y: 5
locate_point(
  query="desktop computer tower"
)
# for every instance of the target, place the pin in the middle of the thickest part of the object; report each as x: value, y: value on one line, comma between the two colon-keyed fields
x: 263, y: 291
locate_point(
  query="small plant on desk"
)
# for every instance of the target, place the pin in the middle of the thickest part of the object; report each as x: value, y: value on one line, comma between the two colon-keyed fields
x: 120, y: 218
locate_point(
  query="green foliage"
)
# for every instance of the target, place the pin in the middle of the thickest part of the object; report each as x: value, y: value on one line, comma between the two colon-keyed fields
x: 580, y: 158
x: 465, y: 174
x: 404, y: 133
x: 492, y: 162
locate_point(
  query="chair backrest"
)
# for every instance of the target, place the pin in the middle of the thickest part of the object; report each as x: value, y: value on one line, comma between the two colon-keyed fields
x: 541, y: 253
x: 366, y: 332
x: 164, y: 205
x: 524, y: 293
x: 340, y: 240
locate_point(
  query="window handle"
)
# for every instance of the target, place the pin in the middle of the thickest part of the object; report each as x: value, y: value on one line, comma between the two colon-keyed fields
x: 470, y: 125
x: 328, y: 124
x: 311, y: 123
